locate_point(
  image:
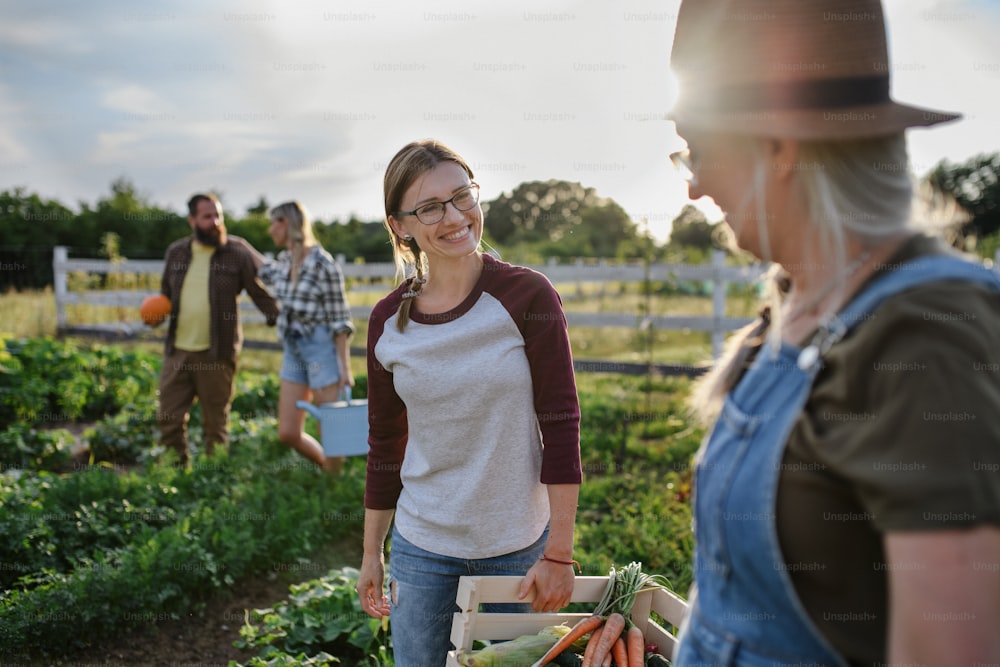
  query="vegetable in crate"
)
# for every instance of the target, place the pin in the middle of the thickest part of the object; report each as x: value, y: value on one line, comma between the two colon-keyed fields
x: 611, y: 619
x: 568, y: 659
x: 613, y: 628
x: 520, y: 652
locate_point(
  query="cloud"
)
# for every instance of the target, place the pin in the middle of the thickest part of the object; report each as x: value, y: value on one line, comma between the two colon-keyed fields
x: 28, y: 35
x: 944, y: 56
x: 135, y: 100
x: 309, y: 100
x: 12, y: 151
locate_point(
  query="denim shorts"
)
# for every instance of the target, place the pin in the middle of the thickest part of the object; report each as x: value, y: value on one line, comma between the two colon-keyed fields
x: 422, y: 590
x: 311, y: 360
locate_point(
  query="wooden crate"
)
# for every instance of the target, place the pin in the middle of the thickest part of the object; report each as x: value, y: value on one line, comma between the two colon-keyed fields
x: 470, y: 624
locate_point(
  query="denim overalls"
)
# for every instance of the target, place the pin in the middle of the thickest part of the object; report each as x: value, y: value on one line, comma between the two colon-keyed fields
x: 744, y: 609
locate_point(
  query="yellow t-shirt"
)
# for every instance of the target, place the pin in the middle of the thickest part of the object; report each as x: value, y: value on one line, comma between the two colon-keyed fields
x: 194, y: 318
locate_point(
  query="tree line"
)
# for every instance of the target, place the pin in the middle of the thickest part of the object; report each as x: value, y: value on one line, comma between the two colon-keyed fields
x: 536, y: 221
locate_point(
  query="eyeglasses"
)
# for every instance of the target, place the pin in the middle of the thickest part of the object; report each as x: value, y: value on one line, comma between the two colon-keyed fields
x: 685, y: 166
x: 433, y: 213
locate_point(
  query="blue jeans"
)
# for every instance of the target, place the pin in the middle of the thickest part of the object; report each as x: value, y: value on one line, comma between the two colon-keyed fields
x: 310, y: 360
x: 422, y: 590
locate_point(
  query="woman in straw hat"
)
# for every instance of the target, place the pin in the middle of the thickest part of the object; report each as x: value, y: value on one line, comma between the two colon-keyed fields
x: 847, y: 504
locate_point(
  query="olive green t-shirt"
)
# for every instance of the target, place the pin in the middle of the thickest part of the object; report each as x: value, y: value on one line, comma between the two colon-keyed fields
x: 901, y: 432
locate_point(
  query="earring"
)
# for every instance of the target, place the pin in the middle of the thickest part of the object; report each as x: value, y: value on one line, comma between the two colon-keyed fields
x: 407, y: 237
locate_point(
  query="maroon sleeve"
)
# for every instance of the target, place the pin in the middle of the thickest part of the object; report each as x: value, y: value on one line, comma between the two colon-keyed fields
x: 535, y: 306
x: 387, y: 425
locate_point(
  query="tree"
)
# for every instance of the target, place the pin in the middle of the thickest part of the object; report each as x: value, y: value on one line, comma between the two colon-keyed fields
x: 975, y: 186
x: 607, y: 226
x: 143, y: 230
x: 538, y: 211
x: 260, y: 208
x: 253, y: 228
x: 29, y: 227
x: 692, y: 229
x: 560, y: 218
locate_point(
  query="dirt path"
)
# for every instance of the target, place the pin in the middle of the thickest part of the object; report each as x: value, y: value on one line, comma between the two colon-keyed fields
x: 206, y: 638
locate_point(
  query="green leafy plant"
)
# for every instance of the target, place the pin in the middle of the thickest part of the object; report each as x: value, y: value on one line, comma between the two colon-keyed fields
x: 44, y: 380
x: 24, y: 447
x: 228, y: 521
x: 108, y: 547
x: 321, y: 615
x: 285, y: 660
x: 130, y: 436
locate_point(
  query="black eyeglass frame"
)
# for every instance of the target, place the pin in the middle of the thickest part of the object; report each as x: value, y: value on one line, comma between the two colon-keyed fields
x: 473, y: 187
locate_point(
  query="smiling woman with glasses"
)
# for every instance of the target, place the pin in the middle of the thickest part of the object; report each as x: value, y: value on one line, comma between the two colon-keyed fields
x: 474, y: 437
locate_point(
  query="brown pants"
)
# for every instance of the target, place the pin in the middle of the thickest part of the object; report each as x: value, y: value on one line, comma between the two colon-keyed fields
x: 186, y: 375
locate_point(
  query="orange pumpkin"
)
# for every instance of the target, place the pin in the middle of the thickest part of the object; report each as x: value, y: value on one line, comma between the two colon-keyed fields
x: 155, y: 309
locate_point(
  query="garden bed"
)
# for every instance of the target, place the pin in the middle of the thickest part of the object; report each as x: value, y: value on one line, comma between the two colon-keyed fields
x: 207, y: 637
x: 126, y: 555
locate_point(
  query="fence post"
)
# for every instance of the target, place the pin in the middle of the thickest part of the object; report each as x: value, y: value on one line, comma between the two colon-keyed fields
x: 60, y: 254
x: 718, y: 302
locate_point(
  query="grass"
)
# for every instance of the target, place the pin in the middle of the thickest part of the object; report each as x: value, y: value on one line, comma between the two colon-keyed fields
x: 28, y: 314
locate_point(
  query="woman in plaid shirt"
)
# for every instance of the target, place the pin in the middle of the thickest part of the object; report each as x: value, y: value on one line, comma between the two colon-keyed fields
x: 315, y: 326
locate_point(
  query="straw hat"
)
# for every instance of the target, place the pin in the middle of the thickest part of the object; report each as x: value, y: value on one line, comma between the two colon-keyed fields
x: 799, y: 69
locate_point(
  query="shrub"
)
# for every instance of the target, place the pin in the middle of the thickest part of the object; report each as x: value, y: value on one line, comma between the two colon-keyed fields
x: 43, y: 380
x: 226, y: 520
x: 24, y: 447
x: 128, y: 437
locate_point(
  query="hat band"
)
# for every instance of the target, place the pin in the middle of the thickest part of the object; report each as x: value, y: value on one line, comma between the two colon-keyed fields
x: 787, y: 95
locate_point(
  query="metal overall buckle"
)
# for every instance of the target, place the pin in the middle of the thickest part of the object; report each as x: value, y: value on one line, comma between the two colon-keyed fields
x: 829, y: 334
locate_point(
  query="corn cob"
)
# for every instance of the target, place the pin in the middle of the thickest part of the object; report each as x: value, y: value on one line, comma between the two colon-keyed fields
x: 520, y: 652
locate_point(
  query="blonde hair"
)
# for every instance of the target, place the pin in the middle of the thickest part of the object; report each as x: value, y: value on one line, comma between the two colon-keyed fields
x: 860, y: 189
x: 413, y: 160
x: 300, y: 228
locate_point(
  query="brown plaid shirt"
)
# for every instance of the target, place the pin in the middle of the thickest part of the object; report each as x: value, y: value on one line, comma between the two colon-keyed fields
x: 232, y: 271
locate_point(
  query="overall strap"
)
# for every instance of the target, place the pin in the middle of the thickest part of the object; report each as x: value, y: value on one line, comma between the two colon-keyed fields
x: 913, y: 274
x: 906, y: 276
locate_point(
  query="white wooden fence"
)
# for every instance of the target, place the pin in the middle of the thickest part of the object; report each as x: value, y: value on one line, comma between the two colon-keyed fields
x: 569, y: 278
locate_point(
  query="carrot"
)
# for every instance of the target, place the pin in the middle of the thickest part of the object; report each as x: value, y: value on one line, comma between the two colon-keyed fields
x: 582, y: 627
x: 620, y: 653
x: 636, y: 646
x: 613, y: 628
x: 607, y: 661
x: 588, y: 652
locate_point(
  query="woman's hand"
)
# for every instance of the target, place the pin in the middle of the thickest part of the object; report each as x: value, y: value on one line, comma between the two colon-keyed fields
x: 345, y: 379
x: 553, y: 585
x: 553, y: 581
x: 373, y: 601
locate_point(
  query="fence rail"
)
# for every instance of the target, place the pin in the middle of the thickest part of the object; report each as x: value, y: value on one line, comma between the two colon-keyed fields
x: 568, y: 278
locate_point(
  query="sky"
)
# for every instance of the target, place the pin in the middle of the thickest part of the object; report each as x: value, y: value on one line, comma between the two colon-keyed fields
x: 309, y: 100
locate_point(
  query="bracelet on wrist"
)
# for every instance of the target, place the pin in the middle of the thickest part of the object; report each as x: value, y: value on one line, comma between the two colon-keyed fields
x: 563, y: 562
